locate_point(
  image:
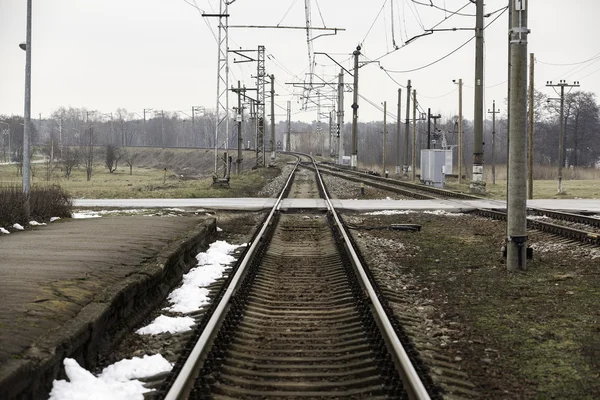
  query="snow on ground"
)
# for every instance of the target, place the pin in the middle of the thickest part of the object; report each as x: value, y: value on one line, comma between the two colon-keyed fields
x: 163, y: 324
x: 85, y: 214
x: 54, y: 219
x: 390, y: 212
x: 442, y: 212
x: 192, y: 295
x: 18, y: 227
x: 116, y: 382
x: 35, y: 223
x: 4, y: 231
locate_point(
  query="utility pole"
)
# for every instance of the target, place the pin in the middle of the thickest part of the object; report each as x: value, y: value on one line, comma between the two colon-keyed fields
x: 561, y: 144
x: 530, y: 145
x: 517, y: 191
x: 27, y: 116
x: 406, y: 129
x: 478, y: 184
x: 340, y: 121
x: 414, y: 137
x: 162, y: 128
x: 354, y: 159
x: 240, y: 120
x: 194, y: 109
x: 460, y: 131
x: 288, y: 146
x: 428, y: 128
x: 429, y: 118
x: 384, y: 134
x: 398, y: 133
x: 331, y: 132
x: 494, y: 112
x: 273, y: 118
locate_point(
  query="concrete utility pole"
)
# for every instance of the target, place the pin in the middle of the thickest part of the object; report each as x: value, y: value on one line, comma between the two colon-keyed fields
x: 414, y: 137
x: 27, y: 116
x: 494, y: 112
x: 478, y: 184
x: 429, y: 118
x: 561, y: 143
x: 460, y: 132
x: 428, y: 128
x: 340, y: 121
x: 384, y: 134
x: 288, y: 145
x: 240, y: 120
x: 331, y: 133
x: 398, y: 131
x: 354, y: 159
x: 194, y: 109
x: 273, y: 118
x: 406, y: 129
x: 162, y: 128
x: 530, y: 145
x: 517, y: 191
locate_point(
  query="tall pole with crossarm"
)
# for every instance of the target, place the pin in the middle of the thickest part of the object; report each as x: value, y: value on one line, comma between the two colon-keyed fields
x: 27, y: 115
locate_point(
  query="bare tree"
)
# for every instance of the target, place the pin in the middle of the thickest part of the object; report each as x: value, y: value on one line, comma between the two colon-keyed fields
x: 130, y: 156
x: 70, y: 159
x: 113, y: 156
x: 88, y: 154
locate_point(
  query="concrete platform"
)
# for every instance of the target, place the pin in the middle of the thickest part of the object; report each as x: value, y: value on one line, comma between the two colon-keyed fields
x: 64, y: 286
x: 256, y: 204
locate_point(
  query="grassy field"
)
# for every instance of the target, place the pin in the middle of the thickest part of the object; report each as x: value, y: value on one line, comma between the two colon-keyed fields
x: 189, y: 175
x: 148, y: 180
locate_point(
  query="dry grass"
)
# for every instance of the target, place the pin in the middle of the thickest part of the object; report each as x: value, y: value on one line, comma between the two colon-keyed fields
x: 181, y: 181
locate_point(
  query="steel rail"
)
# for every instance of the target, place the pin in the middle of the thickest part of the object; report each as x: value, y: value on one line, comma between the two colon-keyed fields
x: 181, y: 384
x: 415, y: 387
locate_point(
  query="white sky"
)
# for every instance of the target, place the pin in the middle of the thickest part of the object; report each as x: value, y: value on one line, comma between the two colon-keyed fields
x: 160, y: 54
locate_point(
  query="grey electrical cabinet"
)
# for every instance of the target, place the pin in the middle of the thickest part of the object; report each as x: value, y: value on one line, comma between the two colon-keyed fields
x: 432, y: 167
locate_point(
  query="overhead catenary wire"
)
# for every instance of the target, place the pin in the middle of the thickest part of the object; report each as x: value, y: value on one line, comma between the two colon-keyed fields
x: 568, y: 64
x: 444, y: 57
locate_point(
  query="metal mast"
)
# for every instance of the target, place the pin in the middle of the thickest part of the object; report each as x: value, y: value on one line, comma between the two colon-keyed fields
x: 311, y: 55
x: 261, y: 78
x: 222, y: 111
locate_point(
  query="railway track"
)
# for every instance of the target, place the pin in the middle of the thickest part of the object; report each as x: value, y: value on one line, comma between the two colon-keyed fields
x: 574, y: 227
x: 299, y: 319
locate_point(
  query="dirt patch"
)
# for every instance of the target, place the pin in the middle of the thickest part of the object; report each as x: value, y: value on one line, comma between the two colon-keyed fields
x: 534, y: 334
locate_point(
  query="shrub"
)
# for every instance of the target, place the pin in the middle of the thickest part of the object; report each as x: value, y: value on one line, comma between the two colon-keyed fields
x: 44, y: 202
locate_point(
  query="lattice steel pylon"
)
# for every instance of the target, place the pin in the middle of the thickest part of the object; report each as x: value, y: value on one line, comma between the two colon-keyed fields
x: 261, y: 78
x: 222, y: 112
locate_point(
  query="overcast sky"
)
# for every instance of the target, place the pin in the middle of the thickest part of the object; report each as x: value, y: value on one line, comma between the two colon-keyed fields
x: 161, y: 54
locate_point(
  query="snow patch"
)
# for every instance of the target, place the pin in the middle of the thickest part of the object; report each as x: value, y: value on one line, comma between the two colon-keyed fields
x: 116, y: 382
x: 164, y: 324
x: 4, y: 231
x: 219, y: 229
x: 85, y: 214
x: 390, y: 212
x: 18, y: 227
x: 442, y: 212
x: 35, y: 223
x: 54, y: 219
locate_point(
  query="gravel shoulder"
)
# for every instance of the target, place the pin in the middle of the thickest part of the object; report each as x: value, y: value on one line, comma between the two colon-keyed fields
x: 534, y: 334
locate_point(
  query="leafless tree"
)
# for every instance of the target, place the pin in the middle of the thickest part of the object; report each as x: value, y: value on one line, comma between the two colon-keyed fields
x: 113, y: 156
x: 130, y: 156
x: 70, y: 159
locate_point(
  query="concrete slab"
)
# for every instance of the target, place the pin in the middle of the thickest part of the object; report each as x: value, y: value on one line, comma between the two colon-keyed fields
x: 256, y: 204
x: 234, y: 204
x: 51, y: 275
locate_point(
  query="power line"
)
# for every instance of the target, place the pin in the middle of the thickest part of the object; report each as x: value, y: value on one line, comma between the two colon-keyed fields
x: 447, y: 55
x: 427, y: 32
x: 374, y: 21
x: 286, y: 13
x: 568, y: 64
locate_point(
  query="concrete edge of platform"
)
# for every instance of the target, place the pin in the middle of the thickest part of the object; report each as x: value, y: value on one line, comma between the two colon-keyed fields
x: 100, y: 324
